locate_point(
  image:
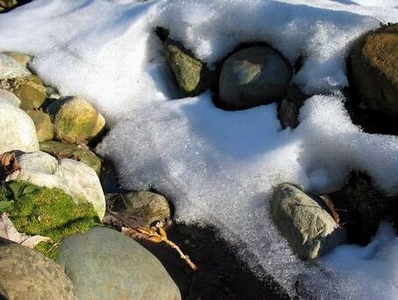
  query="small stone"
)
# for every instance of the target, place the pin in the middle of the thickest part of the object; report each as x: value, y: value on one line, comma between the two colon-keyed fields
x: 62, y: 150
x: 374, y: 64
x: 107, y: 263
x: 25, y: 273
x: 253, y: 76
x: 308, y: 227
x: 187, y: 69
x: 76, y: 121
x: 44, y: 127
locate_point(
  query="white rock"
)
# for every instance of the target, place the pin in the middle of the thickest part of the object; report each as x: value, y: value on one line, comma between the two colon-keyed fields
x: 75, y: 178
x: 9, y: 98
x: 17, y: 129
x: 10, y: 68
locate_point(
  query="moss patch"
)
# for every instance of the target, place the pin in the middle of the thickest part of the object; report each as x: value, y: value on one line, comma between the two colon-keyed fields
x: 49, y: 212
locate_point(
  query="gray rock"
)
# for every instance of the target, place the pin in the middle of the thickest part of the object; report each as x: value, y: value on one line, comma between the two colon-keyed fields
x: 104, y: 263
x: 17, y: 129
x: 73, y: 177
x: 253, y: 76
x: 309, y: 228
x: 26, y: 274
x: 374, y: 64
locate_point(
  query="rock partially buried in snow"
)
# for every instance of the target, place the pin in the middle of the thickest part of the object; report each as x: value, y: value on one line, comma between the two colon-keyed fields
x: 17, y: 129
x: 253, y: 76
x: 10, y: 68
x: 26, y: 274
x: 75, y: 178
x: 76, y: 121
x: 105, y: 262
x: 310, y: 230
x: 374, y: 65
x: 22, y: 58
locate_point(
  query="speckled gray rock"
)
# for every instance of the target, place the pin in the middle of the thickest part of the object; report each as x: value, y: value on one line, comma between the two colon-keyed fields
x: 106, y: 264
x: 253, y: 76
x: 26, y: 274
x: 309, y: 228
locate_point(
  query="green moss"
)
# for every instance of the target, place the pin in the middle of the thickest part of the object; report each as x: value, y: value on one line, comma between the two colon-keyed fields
x: 48, y: 212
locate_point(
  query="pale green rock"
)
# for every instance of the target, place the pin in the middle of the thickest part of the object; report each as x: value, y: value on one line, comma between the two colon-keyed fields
x: 374, y: 65
x: 73, y: 177
x: 77, y: 121
x: 30, y: 90
x: 17, y: 129
x: 27, y: 274
x: 104, y: 263
x: 187, y: 69
x: 64, y: 150
x: 44, y: 127
x: 308, y: 227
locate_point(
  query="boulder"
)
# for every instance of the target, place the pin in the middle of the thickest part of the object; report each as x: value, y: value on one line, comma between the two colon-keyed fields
x: 26, y: 274
x: 253, y: 76
x: 73, y: 177
x: 62, y: 150
x: 373, y: 65
x: 144, y: 206
x: 187, y: 69
x: 76, y: 121
x: 304, y: 222
x: 17, y: 129
x: 10, y: 68
x: 104, y: 263
x: 44, y: 127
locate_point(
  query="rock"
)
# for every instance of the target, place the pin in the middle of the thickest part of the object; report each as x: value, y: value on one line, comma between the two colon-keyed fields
x: 10, y: 68
x: 76, y: 121
x: 188, y: 70
x: 25, y: 273
x: 73, y: 177
x: 30, y: 90
x: 22, y: 58
x: 17, y: 129
x: 309, y: 228
x: 253, y: 76
x: 9, y: 98
x: 44, y: 127
x: 289, y: 107
x: 82, y: 154
x: 373, y: 65
x: 8, y: 3
x: 105, y: 262
x: 146, y: 206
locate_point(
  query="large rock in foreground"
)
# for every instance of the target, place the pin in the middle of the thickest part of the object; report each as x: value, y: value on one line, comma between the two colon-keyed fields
x: 26, y: 274
x: 309, y: 228
x: 253, y: 76
x: 104, y: 263
x: 17, y: 129
x: 374, y: 65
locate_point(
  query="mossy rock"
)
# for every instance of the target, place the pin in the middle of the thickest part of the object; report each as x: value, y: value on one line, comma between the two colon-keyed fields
x: 189, y: 71
x: 30, y: 90
x: 48, y: 212
x: 373, y: 65
x: 44, y: 127
x: 76, y: 121
x: 63, y: 150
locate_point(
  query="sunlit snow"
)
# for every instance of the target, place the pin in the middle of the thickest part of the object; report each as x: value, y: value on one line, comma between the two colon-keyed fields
x: 219, y: 167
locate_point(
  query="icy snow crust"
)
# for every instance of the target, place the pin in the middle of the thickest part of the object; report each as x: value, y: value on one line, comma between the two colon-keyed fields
x: 217, y: 166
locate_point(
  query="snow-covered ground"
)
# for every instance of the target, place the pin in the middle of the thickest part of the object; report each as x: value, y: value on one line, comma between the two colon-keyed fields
x: 217, y: 166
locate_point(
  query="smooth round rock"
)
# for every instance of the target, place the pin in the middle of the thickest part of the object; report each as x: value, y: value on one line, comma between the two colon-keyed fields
x: 105, y: 264
x: 26, y: 274
x: 253, y: 76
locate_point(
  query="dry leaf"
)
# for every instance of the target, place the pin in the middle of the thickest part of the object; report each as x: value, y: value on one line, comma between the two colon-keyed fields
x: 8, y: 231
x: 8, y: 164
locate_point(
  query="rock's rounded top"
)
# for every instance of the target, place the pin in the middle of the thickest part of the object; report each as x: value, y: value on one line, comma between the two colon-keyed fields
x: 253, y: 76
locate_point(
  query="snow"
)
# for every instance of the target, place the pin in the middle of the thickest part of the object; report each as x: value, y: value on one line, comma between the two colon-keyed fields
x: 219, y: 167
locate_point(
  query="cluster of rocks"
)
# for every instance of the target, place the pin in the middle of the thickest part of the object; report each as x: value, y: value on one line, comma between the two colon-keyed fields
x: 50, y: 137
